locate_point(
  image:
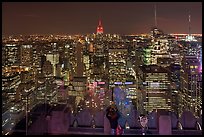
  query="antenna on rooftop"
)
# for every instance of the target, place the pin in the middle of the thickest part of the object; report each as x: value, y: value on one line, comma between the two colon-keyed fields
x: 189, y: 21
x: 155, y: 15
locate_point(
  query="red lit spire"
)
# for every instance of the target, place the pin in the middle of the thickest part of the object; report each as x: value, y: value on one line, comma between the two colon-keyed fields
x: 99, y: 23
x: 99, y: 29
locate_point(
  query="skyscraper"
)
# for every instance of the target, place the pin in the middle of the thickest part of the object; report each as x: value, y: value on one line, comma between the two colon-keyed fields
x: 79, y: 60
x: 10, y: 54
x: 54, y: 59
x: 155, y: 88
x: 99, y: 29
x: 191, y: 85
x: 26, y: 55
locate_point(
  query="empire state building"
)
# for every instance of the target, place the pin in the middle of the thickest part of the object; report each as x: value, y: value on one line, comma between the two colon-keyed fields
x: 99, y: 29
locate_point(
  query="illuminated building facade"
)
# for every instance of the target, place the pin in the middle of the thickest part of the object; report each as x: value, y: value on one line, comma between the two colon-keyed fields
x: 156, y: 33
x: 26, y: 55
x: 159, y: 50
x: 108, y: 62
x: 86, y: 61
x: 100, y: 61
x: 175, y: 50
x: 47, y: 68
x: 154, y: 86
x: 70, y: 61
x: 77, y: 89
x: 36, y: 56
x: 9, y: 86
x: 79, y: 60
x: 192, y: 49
x: 175, y: 78
x: 117, y: 65
x: 147, y: 56
x: 54, y: 59
x: 10, y: 55
x: 191, y: 87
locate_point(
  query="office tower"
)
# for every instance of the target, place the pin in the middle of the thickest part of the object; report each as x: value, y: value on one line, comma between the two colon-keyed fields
x: 36, y: 56
x: 159, y: 50
x: 155, y: 91
x: 117, y: 65
x: 175, y: 82
x: 9, y: 86
x: 10, y: 55
x: 47, y: 68
x: 58, y: 70
x: 54, y: 59
x: 79, y: 60
x: 191, y: 89
x: 146, y: 56
x: 42, y: 60
x: 99, y: 60
x: 26, y: 55
x: 175, y: 50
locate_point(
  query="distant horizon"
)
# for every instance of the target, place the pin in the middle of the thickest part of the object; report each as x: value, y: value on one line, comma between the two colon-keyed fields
x: 95, y: 33
x: 124, y: 18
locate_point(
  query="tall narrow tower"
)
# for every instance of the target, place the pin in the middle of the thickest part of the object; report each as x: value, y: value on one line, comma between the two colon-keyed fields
x: 99, y: 29
x: 189, y: 37
x: 189, y: 23
x: 155, y: 15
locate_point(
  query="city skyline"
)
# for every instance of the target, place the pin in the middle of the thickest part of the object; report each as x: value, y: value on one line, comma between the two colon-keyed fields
x: 82, y: 18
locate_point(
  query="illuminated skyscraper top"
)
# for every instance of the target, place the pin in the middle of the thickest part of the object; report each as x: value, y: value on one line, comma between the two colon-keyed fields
x: 99, y: 29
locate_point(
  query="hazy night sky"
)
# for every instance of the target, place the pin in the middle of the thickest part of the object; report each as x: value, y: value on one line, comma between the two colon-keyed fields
x: 82, y: 17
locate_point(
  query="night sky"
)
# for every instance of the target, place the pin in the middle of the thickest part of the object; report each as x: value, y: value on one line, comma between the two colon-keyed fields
x: 82, y: 17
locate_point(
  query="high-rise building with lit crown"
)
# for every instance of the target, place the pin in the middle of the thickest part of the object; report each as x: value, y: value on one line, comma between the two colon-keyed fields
x: 99, y: 29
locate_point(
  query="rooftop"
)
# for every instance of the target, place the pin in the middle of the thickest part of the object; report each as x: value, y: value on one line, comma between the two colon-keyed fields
x: 85, y: 120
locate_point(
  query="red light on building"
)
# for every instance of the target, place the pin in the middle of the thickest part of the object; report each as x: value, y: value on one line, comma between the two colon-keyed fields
x: 101, y: 83
x: 99, y: 29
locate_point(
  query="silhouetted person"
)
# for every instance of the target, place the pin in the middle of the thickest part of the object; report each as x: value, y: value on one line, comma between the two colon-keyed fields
x: 113, y: 115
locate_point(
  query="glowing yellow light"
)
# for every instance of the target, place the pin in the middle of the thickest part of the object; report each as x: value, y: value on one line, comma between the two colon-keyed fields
x: 26, y: 69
